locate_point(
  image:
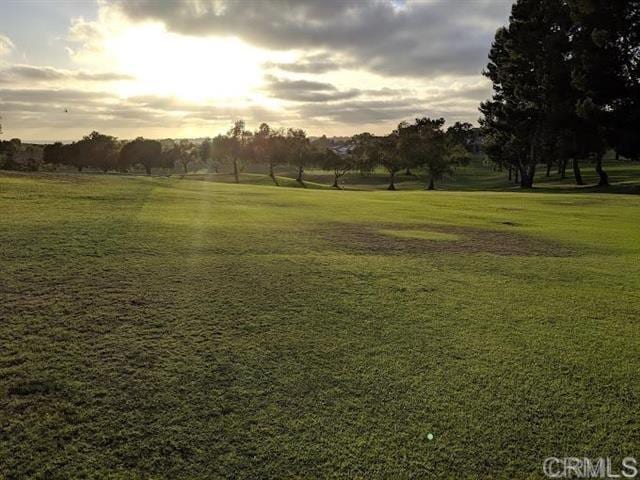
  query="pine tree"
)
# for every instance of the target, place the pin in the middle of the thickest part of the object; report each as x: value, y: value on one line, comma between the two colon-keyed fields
x: 606, y: 73
x: 528, y: 68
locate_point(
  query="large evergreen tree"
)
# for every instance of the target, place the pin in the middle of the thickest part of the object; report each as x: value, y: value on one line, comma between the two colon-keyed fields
x: 566, y: 85
x: 605, y: 43
x: 528, y: 68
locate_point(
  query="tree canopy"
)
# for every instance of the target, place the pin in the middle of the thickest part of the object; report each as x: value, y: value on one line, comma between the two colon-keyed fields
x: 565, y: 85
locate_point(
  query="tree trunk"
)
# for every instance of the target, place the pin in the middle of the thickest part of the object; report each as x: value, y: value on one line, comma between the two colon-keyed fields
x: 516, y: 176
x: 528, y: 172
x: 148, y: 169
x: 299, y: 178
x: 392, y: 181
x: 526, y: 181
x: 335, y: 181
x: 523, y: 178
x: 604, y: 178
x: 510, y: 172
x: 408, y: 172
x: 562, y: 168
x: 236, y: 175
x: 432, y: 184
x: 526, y: 177
x: 548, y: 174
x: 273, y: 175
x: 576, y: 172
x: 79, y: 168
x: 531, y: 174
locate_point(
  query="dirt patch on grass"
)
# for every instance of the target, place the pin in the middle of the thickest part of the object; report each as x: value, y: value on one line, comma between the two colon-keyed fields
x: 372, y: 239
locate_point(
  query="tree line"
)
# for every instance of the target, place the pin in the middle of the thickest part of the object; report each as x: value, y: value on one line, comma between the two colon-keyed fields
x: 423, y: 147
x: 566, y: 87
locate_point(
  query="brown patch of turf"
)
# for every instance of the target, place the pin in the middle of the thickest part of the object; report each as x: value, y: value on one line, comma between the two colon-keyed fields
x: 372, y: 239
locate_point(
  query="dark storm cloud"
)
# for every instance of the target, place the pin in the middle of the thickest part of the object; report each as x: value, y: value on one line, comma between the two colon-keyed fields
x: 394, y: 38
x: 306, y: 91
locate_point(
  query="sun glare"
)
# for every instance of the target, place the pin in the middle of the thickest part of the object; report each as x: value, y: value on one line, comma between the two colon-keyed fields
x: 193, y: 69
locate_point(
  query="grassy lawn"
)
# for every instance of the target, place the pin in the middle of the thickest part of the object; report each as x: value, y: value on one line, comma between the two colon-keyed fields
x: 479, y: 175
x: 174, y: 328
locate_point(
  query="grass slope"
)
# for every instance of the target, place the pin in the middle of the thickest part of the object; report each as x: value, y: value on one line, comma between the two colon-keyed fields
x: 173, y: 328
x: 479, y: 175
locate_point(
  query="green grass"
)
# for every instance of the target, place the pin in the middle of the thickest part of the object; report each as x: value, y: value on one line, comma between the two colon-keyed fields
x: 479, y: 175
x: 174, y: 328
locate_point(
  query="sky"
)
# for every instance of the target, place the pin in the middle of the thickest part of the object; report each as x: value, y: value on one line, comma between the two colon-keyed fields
x: 189, y: 68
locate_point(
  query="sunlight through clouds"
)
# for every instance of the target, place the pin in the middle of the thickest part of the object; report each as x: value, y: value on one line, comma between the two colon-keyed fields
x: 188, y: 68
x: 150, y: 66
x: 170, y: 64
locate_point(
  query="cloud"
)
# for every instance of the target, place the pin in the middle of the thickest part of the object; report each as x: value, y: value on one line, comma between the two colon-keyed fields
x: 306, y: 90
x: 51, y: 96
x: 101, y: 76
x: 81, y: 111
x: 412, y: 38
x: 6, y: 45
x: 35, y: 73
x: 330, y: 66
x: 389, y: 92
x: 316, y: 63
x: 320, y: 107
x: 362, y: 111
